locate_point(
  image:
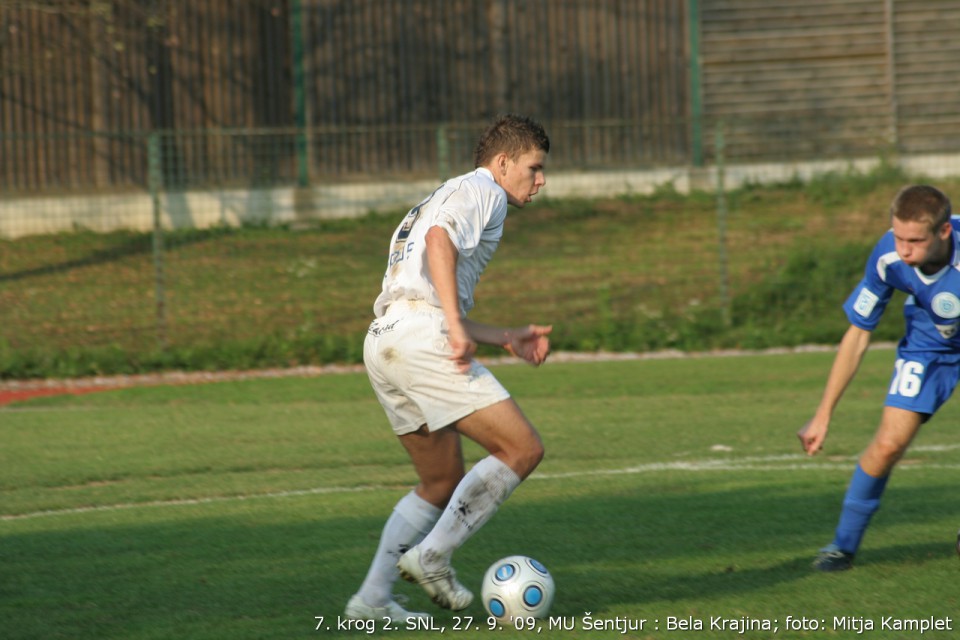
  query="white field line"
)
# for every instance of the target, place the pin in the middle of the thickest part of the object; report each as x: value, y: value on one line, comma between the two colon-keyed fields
x: 186, y: 502
x: 790, y: 462
x: 935, y: 447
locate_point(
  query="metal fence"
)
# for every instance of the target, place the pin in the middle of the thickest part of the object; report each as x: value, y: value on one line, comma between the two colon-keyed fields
x: 332, y: 89
x: 301, y: 93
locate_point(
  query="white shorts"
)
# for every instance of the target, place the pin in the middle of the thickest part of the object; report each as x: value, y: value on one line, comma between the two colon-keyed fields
x: 407, y: 356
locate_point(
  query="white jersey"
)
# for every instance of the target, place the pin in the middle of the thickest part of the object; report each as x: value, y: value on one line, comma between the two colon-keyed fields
x: 471, y: 208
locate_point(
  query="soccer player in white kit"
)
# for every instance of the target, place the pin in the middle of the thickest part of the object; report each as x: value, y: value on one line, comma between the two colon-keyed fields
x: 419, y: 357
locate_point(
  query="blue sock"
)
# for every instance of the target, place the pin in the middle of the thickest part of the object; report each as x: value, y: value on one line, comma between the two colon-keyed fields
x: 860, y: 503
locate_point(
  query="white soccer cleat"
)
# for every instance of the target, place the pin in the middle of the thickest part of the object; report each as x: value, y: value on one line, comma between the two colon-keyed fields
x: 357, y: 609
x: 441, y: 584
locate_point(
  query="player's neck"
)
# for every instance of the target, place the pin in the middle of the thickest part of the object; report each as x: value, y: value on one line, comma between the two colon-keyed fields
x: 935, y: 266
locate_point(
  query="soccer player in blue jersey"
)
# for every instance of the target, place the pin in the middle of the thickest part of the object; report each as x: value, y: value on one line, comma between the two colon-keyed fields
x: 918, y: 255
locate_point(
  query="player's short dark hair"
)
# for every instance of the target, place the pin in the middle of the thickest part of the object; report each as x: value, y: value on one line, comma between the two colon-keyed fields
x: 510, y: 134
x: 921, y: 203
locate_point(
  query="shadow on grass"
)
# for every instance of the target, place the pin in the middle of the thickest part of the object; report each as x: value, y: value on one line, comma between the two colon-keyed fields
x: 264, y: 572
x: 132, y: 246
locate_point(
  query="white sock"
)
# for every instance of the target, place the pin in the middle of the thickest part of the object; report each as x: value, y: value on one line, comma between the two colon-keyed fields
x: 409, y: 522
x: 474, y: 501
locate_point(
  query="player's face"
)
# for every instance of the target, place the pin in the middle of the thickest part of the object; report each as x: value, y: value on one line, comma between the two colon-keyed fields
x: 920, y: 246
x: 522, y: 179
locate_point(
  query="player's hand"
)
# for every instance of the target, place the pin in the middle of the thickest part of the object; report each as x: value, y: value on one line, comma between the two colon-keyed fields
x: 812, y: 435
x: 530, y: 343
x: 462, y: 346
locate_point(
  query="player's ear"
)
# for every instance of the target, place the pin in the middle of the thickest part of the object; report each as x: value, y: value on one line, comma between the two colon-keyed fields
x: 502, y: 163
x: 945, y: 230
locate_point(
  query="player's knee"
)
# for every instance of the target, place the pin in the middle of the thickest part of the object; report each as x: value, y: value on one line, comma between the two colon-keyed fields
x: 536, y: 453
x: 528, y: 458
x: 888, y: 451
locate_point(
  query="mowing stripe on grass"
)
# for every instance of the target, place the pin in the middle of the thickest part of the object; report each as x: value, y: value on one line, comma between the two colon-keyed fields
x: 795, y: 462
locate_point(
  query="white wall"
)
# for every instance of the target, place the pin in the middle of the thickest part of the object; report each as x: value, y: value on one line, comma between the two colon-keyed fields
x: 198, y: 209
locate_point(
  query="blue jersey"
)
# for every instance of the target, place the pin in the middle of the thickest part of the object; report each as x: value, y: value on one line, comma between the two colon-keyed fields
x: 932, y: 309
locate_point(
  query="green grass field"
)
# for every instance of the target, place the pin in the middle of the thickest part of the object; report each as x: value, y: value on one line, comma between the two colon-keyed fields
x: 673, y: 492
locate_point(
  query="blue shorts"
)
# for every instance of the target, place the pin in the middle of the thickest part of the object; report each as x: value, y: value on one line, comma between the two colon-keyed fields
x: 923, y: 380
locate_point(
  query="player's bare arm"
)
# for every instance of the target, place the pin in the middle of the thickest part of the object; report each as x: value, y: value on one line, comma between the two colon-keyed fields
x: 442, y: 258
x: 530, y: 343
x: 850, y: 354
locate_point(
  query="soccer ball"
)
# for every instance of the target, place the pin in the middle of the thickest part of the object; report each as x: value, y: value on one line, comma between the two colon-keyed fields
x: 517, y: 586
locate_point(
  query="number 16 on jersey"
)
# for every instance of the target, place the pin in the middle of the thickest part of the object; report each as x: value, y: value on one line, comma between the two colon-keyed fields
x: 908, y: 378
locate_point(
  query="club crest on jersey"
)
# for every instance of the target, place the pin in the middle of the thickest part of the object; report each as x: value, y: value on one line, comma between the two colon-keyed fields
x: 946, y: 305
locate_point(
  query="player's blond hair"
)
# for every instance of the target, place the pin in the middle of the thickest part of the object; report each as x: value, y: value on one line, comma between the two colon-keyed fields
x: 510, y: 134
x: 921, y: 203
